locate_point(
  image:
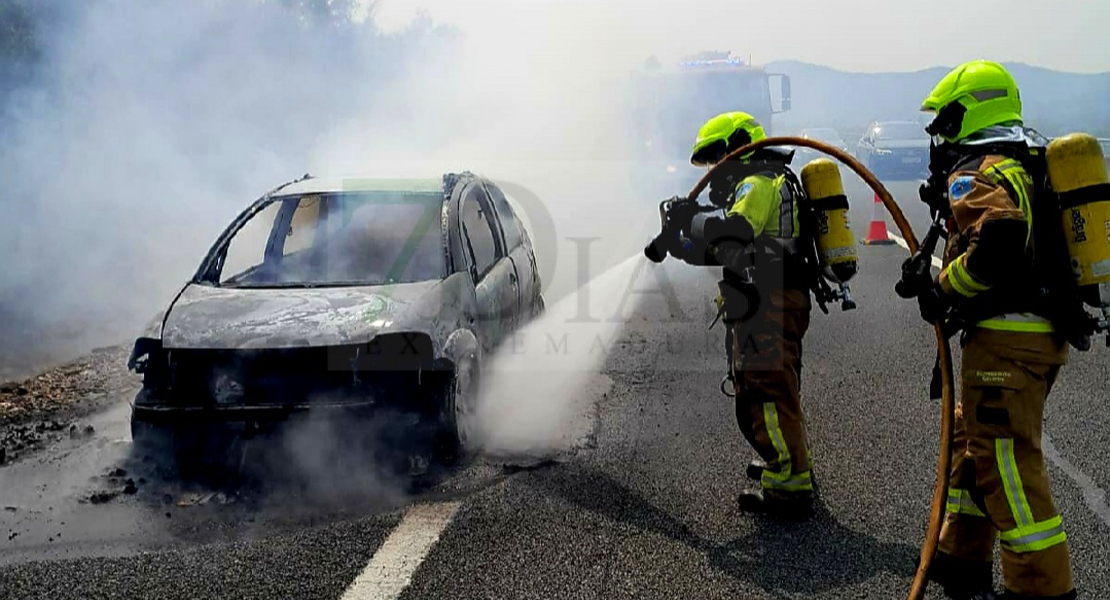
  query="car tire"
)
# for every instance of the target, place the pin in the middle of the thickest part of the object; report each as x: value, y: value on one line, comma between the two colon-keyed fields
x: 456, y: 405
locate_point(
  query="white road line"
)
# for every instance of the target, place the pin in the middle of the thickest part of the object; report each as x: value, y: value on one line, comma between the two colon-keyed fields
x: 392, y: 566
x: 1094, y: 496
x: 902, y: 242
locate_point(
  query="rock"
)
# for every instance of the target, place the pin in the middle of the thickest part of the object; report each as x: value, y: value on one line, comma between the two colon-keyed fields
x: 102, y: 497
x: 89, y: 430
x: 129, y: 487
x: 3, y: 455
x: 117, y: 472
x: 21, y: 391
x: 8, y: 387
x: 73, y: 432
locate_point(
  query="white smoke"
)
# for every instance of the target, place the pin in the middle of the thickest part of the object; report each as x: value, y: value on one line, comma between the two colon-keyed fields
x: 149, y: 124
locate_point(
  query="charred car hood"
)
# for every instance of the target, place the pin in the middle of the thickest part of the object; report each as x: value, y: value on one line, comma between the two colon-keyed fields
x: 211, y: 317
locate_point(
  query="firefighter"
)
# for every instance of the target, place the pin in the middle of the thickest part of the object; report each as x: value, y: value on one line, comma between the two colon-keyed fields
x: 984, y: 171
x: 764, y: 302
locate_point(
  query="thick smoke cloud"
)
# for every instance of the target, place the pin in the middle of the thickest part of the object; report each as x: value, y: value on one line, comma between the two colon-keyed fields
x: 149, y: 124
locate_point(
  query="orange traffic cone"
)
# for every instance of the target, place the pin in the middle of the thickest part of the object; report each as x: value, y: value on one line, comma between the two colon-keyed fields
x: 876, y: 234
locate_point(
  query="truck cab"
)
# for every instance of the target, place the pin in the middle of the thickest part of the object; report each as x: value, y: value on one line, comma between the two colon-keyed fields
x: 669, y: 105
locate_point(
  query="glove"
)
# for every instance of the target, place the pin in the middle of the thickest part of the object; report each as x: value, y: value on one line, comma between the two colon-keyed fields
x: 933, y: 304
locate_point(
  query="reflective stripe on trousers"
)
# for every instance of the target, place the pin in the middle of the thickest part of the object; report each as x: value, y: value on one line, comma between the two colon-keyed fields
x: 781, y: 478
x: 960, y: 502
x: 1029, y: 535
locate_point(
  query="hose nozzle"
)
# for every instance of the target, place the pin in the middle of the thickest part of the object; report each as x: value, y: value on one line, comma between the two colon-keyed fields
x: 916, y: 270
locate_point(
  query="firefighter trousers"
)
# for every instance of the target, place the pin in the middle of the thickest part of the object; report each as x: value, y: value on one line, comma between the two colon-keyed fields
x: 999, y: 485
x: 767, y: 369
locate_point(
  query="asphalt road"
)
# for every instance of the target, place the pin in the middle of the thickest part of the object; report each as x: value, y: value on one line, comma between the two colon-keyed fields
x: 645, y: 507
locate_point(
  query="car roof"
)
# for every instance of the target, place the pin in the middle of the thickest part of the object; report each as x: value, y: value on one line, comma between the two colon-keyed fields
x: 320, y: 185
x: 884, y: 123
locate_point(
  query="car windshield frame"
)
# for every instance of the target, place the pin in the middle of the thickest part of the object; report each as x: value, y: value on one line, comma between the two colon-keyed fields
x: 430, y: 222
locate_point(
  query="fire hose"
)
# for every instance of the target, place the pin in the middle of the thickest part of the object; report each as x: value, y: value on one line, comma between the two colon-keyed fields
x: 947, y: 416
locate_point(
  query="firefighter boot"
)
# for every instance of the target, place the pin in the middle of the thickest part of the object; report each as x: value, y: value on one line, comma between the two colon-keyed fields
x: 793, y: 507
x: 754, y: 471
x: 963, y: 579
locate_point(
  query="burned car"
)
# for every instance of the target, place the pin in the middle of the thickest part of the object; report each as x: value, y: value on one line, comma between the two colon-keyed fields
x: 338, y: 299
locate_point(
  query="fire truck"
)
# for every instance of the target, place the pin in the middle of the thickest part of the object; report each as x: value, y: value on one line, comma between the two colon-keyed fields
x: 669, y: 105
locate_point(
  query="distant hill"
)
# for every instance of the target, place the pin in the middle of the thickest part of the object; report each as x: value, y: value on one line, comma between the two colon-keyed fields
x: 1054, y: 102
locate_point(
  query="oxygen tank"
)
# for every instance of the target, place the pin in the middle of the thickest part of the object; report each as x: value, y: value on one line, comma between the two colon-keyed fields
x: 836, y: 244
x: 1077, y: 172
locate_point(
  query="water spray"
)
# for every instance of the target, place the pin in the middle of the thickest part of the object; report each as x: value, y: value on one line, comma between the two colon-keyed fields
x: 947, y: 417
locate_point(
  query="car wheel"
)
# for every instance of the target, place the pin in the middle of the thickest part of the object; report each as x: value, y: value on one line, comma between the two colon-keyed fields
x: 456, y: 411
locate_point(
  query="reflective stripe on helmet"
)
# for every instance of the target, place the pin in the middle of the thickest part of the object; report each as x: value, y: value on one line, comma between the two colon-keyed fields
x: 716, y: 137
x: 981, y: 93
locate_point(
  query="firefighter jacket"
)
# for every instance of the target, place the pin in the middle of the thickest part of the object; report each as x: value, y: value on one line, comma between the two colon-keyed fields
x: 988, y: 266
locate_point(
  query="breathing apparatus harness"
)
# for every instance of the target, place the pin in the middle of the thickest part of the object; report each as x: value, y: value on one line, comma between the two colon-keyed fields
x: 704, y: 235
x: 1049, y: 291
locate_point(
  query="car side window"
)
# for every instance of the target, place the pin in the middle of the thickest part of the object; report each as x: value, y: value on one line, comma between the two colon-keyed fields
x: 304, y: 226
x: 478, y: 231
x: 510, y: 225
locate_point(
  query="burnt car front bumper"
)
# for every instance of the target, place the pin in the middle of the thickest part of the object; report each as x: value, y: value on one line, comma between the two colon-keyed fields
x: 163, y: 414
x: 270, y: 385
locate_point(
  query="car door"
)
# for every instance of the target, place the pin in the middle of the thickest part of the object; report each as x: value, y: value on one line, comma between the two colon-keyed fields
x: 519, y: 250
x: 495, y: 279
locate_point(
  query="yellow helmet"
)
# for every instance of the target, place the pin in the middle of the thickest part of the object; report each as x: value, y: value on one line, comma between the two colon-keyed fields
x: 972, y: 97
x: 723, y: 134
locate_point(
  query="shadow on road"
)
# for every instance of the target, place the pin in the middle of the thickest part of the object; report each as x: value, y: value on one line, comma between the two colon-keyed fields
x: 780, y: 557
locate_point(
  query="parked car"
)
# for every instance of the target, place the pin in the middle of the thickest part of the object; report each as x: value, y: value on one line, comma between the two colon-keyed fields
x: 827, y: 135
x: 338, y: 298
x: 895, y: 150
